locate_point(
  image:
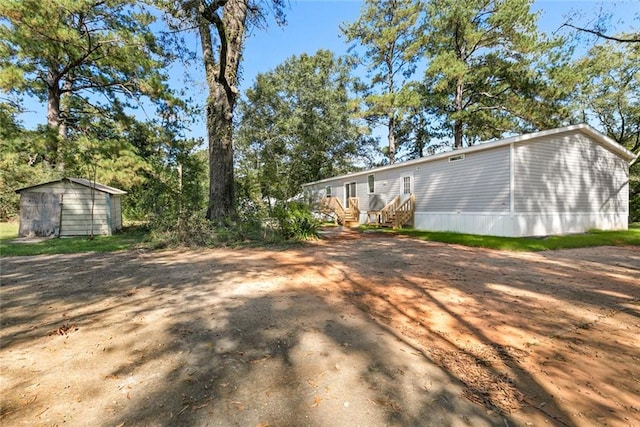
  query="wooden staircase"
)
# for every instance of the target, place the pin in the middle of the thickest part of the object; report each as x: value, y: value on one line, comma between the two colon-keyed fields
x: 396, y: 213
x: 331, y: 206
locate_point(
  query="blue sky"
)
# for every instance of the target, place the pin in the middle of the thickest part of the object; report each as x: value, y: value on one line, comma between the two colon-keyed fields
x: 314, y: 24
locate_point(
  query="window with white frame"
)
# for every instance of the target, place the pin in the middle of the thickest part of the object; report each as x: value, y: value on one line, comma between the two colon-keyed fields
x: 371, y: 181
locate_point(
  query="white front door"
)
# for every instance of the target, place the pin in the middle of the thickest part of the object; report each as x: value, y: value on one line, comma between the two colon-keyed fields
x: 349, y: 191
x: 406, y: 186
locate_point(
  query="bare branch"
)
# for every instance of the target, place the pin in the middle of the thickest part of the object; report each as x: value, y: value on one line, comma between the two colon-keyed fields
x: 632, y: 39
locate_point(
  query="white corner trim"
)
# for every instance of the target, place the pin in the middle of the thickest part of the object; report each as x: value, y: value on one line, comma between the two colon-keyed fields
x: 512, y: 177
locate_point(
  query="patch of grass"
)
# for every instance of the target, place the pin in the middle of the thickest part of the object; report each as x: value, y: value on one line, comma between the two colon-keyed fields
x: 8, y: 230
x: 532, y: 244
x: 129, y: 238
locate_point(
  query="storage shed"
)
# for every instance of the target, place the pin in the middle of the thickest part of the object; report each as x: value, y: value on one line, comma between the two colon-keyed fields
x: 70, y: 207
x: 565, y: 180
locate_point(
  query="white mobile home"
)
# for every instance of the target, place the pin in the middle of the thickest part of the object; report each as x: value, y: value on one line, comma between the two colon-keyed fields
x: 565, y: 180
x: 69, y: 207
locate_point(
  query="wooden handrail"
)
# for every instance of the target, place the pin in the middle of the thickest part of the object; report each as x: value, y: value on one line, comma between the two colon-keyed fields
x: 389, y: 210
x: 397, y: 212
x: 405, y: 211
x: 354, y: 207
x: 333, y: 206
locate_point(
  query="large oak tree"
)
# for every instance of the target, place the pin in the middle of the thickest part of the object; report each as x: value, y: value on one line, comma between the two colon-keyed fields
x: 222, y: 26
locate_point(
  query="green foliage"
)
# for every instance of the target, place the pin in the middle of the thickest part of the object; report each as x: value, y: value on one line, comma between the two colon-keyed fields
x: 607, y: 96
x: 533, y: 244
x: 86, y: 45
x: 610, y: 84
x: 387, y: 31
x: 89, y: 61
x: 296, y: 127
x: 20, y: 162
x: 92, y: 62
x: 481, y: 72
x: 295, y: 221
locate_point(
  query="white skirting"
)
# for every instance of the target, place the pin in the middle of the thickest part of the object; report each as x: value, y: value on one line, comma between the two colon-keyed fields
x: 520, y: 224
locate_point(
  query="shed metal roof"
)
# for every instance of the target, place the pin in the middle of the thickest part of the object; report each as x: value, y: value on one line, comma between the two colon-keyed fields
x: 80, y: 181
x: 603, y: 140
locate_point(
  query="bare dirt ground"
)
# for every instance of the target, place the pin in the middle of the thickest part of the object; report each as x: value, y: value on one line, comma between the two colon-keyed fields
x: 354, y: 329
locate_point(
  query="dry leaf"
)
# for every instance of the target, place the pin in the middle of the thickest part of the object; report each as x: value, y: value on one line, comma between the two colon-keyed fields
x: 316, y: 401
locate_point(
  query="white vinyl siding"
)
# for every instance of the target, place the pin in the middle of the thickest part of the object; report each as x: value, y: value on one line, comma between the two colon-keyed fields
x: 569, y: 173
x: 479, y: 183
x: 558, y: 181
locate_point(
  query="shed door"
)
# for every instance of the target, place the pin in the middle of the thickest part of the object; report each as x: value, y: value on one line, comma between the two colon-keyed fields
x: 40, y: 214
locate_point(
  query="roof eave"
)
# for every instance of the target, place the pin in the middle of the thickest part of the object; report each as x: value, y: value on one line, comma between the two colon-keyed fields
x: 582, y: 127
x: 100, y: 187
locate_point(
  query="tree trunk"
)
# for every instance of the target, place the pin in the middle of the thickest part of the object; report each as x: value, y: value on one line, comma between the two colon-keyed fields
x: 392, y: 140
x: 53, y: 121
x: 457, y: 124
x: 219, y: 132
x: 222, y: 77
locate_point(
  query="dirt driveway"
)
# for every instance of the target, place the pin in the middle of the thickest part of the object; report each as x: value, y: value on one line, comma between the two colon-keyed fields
x: 355, y: 329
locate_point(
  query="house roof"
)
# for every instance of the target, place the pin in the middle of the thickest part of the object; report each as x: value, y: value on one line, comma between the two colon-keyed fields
x: 603, y: 140
x: 80, y: 181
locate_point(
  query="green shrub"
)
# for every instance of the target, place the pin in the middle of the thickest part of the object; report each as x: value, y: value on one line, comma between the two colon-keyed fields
x: 295, y: 221
x: 187, y: 230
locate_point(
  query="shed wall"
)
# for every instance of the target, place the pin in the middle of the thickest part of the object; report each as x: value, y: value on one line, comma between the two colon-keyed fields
x: 39, y: 214
x: 76, y: 213
x: 75, y: 218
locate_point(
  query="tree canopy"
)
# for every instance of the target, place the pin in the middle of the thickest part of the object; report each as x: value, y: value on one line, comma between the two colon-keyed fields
x: 386, y: 30
x: 82, y: 58
x: 296, y: 126
x: 481, y: 78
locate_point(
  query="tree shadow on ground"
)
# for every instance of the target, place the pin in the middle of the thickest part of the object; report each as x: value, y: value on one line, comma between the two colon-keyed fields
x: 326, y: 334
x: 481, y: 316
x: 235, y: 339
